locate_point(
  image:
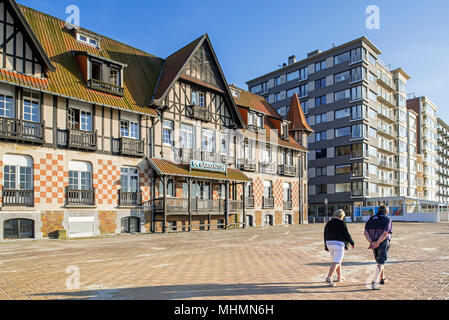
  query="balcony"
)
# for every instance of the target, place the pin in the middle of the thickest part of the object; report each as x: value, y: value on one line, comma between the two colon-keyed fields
x: 250, y: 202
x: 83, y: 140
x: 267, y: 203
x: 235, y: 206
x: 21, y: 130
x: 132, y: 147
x: 288, y: 205
x: 248, y: 165
x: 106, y: 87
x: 130, y: 199
x: 287, y: 171
x: 18, y: 198
x: 267, y: 167
x: 384, y: 83
x: 80, y: 197
x: 199, y: 113
x: 181, y: 206
x: 227, y: 160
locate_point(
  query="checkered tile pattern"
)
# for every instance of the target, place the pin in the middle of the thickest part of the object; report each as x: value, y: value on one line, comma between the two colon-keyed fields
x: 145, y: 183
x: 50, y: 180
x: 106, y: 182
x: 295, y: 194
x: 278, y: 193
x: 258, y: 192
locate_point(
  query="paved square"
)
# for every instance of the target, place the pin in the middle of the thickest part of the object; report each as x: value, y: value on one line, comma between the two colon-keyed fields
x: 275, y: 263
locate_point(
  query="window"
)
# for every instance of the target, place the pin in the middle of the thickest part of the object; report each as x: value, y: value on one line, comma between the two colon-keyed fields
x: 342, y: 187
x: 18, y: 229
x: 372, y: 95
x: 372, y: 113
x: 342, y: 113
x: 357, y: 131
x: 372, y: 169
x: 320, y: 136
x: 357, y: 188
x: 357, y: 169
x: 129, y: 129
x: 224, y: 144
x: 277, y: 97
x: 342, y: 151
x: 320, y: 118
x: 96, y: 72
x: 321, y: 83
x: 342, y: 132
x: 342, y: 58
x: 129, y: 179
x: 187, y: 136
x: 6, y: 106
x: 283, y: 111
x: 303, y: 90
x: 248, y: 149
x: 340, y: 95
x: 358, y: 93
x: 170, y: 188
x: 287, y: 192
x: 198, y: 98
x: 266, y: 153
x: 358, y: 54
x: 321, y: 172
x: 293, y: 75
x: 372, y: 59
x: 90, y: 41
x: 291, y: 92
x: 31, y: 107
x: 268, y: 189
x: 372, y: 77
x: 321, y: 153
x: 208, y: 140
x: 168, y: 133
x: 321, y: 188
x: 320, y: 66
x: 80, y: 175
x: 358, y: 74
x: 305, y: 106
x: 260, y: 88
x: 320, y: 101
x: 17, y: 173
x: 277, y: 81
x: 303, y: 73
x: 114, y: 76
x: 80, y: 120
x: 342, y: 76
x: 357, y: 112
x: 343, y: 169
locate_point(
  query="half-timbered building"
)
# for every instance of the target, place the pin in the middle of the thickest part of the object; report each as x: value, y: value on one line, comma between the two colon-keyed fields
x: 99, y: 138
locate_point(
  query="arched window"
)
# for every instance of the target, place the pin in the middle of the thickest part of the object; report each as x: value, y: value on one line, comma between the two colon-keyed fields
x: 17, y: 181
x: 18, y: 229
x: 80, y: 175
x: 288, y: 219
x: 130, y: 225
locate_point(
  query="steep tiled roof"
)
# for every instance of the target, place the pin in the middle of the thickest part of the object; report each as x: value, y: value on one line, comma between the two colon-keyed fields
x: 296, y: 116
x: 140, y: 75
x: 164, y: 167
x: 255, y: 102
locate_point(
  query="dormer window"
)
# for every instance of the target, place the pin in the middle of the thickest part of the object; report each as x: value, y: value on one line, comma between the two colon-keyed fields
x: 198, y: 98
x: 255, y: 120
x: 96, y: 70
x: 90, y: 40
x: 284, y: 131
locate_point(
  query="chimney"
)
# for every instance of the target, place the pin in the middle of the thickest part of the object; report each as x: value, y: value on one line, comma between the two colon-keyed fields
x: 313, y: 53
x: 291, y: 60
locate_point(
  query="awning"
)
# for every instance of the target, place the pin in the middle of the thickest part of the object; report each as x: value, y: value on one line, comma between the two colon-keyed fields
x: 167, y: 168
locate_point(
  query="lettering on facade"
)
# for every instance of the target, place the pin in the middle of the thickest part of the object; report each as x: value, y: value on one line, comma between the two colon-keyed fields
x: 208, y: 166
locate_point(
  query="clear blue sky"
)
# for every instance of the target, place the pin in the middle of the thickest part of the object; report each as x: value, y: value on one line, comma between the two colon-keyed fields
x: 252, y: 37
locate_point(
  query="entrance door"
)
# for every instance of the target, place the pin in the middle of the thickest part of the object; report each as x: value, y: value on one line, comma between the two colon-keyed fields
x: 249, y: 221
x: 18, y: 229
x: 130, y: 225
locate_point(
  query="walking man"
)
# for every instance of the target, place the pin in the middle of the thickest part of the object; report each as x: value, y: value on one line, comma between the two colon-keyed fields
x: 378, y: 232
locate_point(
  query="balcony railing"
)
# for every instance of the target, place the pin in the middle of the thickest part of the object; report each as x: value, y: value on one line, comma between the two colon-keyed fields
x: 267, y: 167
x: 84, y: 140
x: 267, y: 203
x: 250, y: 202
x: 288, y: 205
x: 106, y: 87
x: 128, y: 199
x: 21, y: 130
x: 132, y: 147
x: 17, y: 198
x: 179, y: 205
x: 288, y: 171
x: 80, y: 197
x: 235, y: 205
x: 199, y: 113
x: 248, y: 165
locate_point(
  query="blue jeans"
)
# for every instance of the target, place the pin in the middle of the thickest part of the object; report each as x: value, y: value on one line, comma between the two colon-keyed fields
x: 381, y: 252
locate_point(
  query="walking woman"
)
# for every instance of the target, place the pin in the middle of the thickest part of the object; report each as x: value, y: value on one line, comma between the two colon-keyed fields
x: 336, y: 239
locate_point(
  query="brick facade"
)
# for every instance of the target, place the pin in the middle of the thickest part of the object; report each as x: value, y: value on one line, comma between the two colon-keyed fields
x: 107, y: 222
x: 52, y: 221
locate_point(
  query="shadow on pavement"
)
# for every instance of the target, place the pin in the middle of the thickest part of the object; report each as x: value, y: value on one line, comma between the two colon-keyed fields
x: 351, y: 263
x: 173, y: 292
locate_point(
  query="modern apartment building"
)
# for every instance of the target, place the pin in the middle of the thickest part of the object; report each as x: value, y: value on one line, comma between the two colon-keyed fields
x: 97, y: 138
x: 427, y: 143
x: 364, y: 143
x: 443, y: 161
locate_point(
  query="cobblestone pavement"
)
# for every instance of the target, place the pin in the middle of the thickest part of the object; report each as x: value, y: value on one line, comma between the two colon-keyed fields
x: 276, y: 263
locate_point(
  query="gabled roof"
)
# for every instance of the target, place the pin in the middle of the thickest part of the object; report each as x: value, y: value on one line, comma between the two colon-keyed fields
x: 255, y: 102
x: 296, y: 116
x: 172, y: 71
x: 140, y: 74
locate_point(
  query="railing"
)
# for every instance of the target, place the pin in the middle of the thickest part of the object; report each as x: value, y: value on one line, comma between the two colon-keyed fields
x: 130, y: 198
x: 235, y: 205
x: 288, y: 171
x: 106, y: 87
x: 80, y: 197
x: 178, y: 205
x: 288, y: 205
x: 85, y: 140
x: 18, y: 198
x: 197, y: 112
x: 250, y: 203
x: 132, y: 147
x: 16, y: 129
x: 267, y: 167
x: 247, y: 165
x: 267, y: 203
